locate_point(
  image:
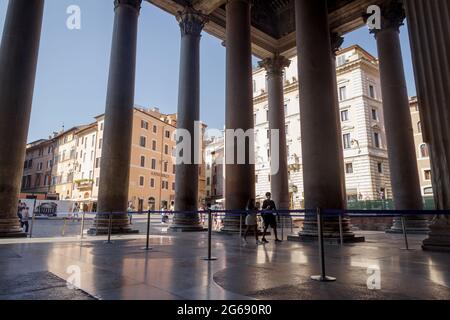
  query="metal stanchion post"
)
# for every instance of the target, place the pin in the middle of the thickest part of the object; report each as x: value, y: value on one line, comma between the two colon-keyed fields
x: 280, y: 218
x: 404, y: 232
x: 109, y: 228
x: 32, y: 218
x: 63, y: 230
x: 322, y: 277
x: 209, y: 257
x: 82, y: 225
x: 147, y: 246
x: 240, y: 226
x: 341, y: 234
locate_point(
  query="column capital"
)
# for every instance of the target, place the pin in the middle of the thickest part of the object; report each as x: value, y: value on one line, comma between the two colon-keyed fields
x: 275, y: 65
x: 191, y: 21
x: 336, y: 42
x: 393, y: 16
x: 136, y: 4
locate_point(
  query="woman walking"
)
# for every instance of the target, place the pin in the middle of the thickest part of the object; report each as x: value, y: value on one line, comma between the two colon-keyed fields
x: 251, y: 220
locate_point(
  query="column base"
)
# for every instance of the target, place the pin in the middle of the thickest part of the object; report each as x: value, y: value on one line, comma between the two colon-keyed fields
x: 439, y: 236
x: 10, y: 228
x: 186, y: 223
x: 120, y: 225
x: 414, y: 225
x: 331, y: 231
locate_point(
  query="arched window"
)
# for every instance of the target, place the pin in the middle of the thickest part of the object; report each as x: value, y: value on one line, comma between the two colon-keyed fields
x: 419, y: 127
x: 424, y: 151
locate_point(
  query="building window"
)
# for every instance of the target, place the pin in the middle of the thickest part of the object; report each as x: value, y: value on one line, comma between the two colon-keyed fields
x: 155, y: 129
x: 342, y: 93
x: 372, y: 91
x: 166, y: 167
x: 254, y: 86
x: 97, y: 163
x: 347, y: 141
x: 152, y: 182
x: 419, y: 127
x: 427, y: 174
x: 349, y: 168
x: 424, y: 151
x: 376, y: 140
x: 153, y: 164
x: 143, y: 141
x: 168, y: 134
x: 144, y: 124
x: 286, y: 128
x: 142, y: 161
x: 208, y: 181
x: 166, y: 149
x: 256, y: 178
x: 101, y: 126
x: 428, y: 190
x: 380, y: 167
x: 141, y: 181
x: 97, y: 180
x: 154, y: 145
x: 374, y: 114
x: 267, y: 115
x: 100, y: 143
x: 286, y: 113
x: 174, y: 169
x: 341, y: 60
x: 344, y: 115
x: 173, y: 186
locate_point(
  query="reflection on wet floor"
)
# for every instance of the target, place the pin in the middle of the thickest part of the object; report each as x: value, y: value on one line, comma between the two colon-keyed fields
x: 174, y: 268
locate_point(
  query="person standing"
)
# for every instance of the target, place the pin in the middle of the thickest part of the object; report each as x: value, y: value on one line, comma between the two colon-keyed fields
x: 130, y: 210
x: 269, y: 217
x: 251, y: 220
x: 25, y: 218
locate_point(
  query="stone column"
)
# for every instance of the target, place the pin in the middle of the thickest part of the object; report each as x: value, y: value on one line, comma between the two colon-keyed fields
x: 240, y: 178
x: 186, y: 186
x: 324, y: 185
x: 18, y: 60
x: 279, y: 182
x: 397, y: 119
x: 429, y: 31
x: 116, y: 151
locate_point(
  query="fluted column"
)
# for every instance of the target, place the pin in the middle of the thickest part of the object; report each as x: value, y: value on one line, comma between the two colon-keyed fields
x: 397, y: 119
x: 279, y: 182
x: 240, y: 178
x: 429, y: 31
x: 324, y: 185
x: 116, y: 151
x: 186, y: 186
x: 18, y: 60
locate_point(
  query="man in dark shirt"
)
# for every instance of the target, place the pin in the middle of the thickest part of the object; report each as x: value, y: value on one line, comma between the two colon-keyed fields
x: 269, y: 217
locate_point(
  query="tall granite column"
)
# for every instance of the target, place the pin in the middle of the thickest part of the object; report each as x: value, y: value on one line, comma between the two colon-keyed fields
x: 429, y: 31
x: 279, y: 182
x: 240, y: 178
x: 117, y: 136
x: 186, y: 185
x: 18, y: 60
x: 397, y: 119
x: 321, y: 145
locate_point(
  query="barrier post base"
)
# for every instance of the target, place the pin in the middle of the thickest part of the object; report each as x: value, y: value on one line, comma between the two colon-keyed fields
x: 209, y: 259
x: 323, y: 278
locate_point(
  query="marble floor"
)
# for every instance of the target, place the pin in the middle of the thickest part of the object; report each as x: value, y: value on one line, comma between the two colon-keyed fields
x: 174, y: 269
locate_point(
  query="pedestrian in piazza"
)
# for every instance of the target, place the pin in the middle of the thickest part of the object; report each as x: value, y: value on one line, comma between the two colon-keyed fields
x: 251, y: 220
x: 25, y: 218
x: 269, y: 217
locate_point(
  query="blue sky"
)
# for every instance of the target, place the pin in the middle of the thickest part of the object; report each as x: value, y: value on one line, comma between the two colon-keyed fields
x: 73, y: 65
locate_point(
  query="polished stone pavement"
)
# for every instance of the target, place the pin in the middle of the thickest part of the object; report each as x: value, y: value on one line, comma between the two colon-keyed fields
x: 174, y: 268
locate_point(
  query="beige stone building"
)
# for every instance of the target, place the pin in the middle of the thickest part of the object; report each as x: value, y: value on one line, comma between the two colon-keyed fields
x: 38, y: 167
x: 74, y: 157
x: 423, y: 156
x: 363, y: 136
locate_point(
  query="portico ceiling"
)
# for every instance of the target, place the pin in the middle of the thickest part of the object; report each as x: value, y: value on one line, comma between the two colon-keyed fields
x: 273, y: 21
